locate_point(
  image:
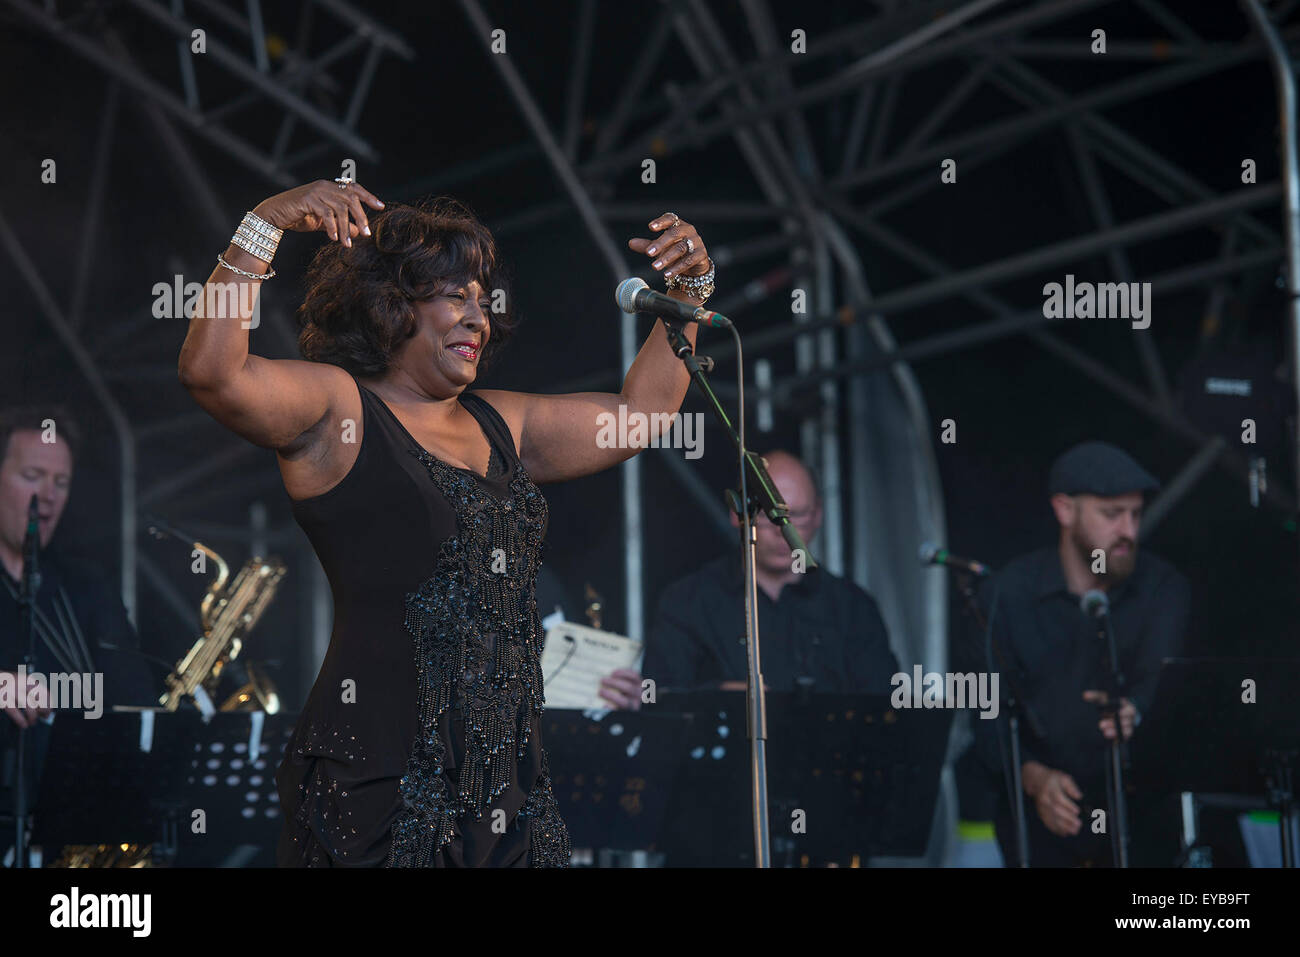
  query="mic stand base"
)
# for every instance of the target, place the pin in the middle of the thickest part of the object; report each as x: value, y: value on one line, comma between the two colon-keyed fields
x: 966, y: 586
x: 1118, y: 823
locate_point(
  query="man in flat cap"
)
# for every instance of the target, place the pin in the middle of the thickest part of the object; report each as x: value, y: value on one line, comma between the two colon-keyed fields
x: 1097, y: 492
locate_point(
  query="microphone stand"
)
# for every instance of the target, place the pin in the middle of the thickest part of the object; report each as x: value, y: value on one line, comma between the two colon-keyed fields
x: 1015, y: 705
x: 757, y: 493
x: 1115, y: 762
x: 28, y: 587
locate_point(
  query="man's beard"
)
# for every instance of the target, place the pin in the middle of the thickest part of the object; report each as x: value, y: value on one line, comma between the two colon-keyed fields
x: 1118, y: 567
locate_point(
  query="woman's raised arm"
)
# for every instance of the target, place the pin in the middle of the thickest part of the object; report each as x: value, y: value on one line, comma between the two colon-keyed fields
x: 270, y: 402
x: 560, y: 436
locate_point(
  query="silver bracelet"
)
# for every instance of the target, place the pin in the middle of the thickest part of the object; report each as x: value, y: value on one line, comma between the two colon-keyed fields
x: 270, y: 274
x: 257, y: 250
x: 254, y: 242
x: 697, y: 287
x: 257, y: 237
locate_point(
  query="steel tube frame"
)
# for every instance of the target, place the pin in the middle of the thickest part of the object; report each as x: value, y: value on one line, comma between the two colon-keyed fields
x: 836, y: 85
x: 279, y: 89
x: 1120, y: 91
x: 1091, y: 136
x: 1279, y: 61
x: 317, y: 119
x: 95, y: 207
x: 1018, y: 322
x: 614, y: 258
x: 116, y: 416
x: 1116, y: 257
x: 1074, y: 249
x: 1115, y: 145
x: 1181, y: 485
x: 781, y: 185
x: 1161, y: 412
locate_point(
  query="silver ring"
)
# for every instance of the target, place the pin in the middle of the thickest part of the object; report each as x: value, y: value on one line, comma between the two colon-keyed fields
x: 675, y: 219
x: 690, y: 245
x: 343, y: 181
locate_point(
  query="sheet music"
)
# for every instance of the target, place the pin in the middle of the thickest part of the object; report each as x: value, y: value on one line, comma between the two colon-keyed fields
x: 575, y: 660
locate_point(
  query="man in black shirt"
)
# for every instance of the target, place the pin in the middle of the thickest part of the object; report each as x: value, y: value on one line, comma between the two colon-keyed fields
x: 1033, y: 607
x: 816, y: 631
x: 81, y: 626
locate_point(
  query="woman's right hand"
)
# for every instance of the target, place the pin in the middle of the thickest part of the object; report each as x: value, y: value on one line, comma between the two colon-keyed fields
x: 322, y: 205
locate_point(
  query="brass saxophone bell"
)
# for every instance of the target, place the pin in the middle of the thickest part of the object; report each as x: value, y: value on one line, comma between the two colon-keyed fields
x: 257, y: 694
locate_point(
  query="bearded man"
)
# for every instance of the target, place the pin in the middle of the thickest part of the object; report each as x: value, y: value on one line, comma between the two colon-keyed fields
x: 1097, y: 492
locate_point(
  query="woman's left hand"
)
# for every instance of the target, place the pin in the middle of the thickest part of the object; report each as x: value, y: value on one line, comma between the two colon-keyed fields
x: 677, y: 250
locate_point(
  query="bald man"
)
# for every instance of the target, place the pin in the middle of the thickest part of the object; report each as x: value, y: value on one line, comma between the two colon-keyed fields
x: 816, y: 631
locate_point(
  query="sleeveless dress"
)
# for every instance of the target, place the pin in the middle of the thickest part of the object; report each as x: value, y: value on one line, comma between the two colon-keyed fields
x: 420, y: 744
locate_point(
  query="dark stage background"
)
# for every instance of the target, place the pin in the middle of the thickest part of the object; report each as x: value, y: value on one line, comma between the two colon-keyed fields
x: 436, y: 118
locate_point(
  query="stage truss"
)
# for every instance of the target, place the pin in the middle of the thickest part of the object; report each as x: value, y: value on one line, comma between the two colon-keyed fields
x: 822, y: 213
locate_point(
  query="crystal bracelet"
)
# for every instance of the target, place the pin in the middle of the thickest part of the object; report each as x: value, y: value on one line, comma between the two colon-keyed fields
x: 257, y: 237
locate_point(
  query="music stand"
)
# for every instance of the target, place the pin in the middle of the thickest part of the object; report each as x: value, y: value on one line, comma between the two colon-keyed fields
x: 864, y: 775
x: 612, y: 777
x: 214, y: 770
x: 97, y: 786
x: 1202, y: 737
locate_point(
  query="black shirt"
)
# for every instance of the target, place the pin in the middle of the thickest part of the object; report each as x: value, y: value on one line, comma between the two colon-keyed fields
x: 88, y: 626
x: 1057, y: 654
x: 822, y: 627
x: 84, y: 629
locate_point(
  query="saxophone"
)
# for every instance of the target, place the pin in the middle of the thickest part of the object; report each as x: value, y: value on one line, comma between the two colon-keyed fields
x: 227, y: 615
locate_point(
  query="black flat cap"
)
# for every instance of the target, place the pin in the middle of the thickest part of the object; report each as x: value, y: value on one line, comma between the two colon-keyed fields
x: 1098, y: 468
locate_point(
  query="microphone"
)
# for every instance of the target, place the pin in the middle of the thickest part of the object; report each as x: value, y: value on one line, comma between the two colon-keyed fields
x: 934, y: 555
x: 31, y: 545
x: 1095, y: 603
x: 633, y: 295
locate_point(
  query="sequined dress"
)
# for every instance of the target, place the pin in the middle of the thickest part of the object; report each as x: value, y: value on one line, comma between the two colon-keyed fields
x: 420, y: 744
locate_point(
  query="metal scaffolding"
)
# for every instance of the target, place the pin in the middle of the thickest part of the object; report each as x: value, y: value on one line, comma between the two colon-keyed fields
x: 281, y: 87
x: 810, y: 211
x: 816, y: 206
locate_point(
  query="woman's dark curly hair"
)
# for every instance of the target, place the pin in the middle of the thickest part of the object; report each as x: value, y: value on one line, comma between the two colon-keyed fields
x: 359, y: 306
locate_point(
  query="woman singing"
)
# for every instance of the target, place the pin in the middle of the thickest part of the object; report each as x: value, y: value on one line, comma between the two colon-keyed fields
x: 420, y: 744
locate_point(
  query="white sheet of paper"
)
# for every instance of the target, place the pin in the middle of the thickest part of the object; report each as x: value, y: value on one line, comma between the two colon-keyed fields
x: 575, y: 660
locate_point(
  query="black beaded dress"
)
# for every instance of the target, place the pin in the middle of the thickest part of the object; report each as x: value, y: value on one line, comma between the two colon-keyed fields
x: 420, y: 744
